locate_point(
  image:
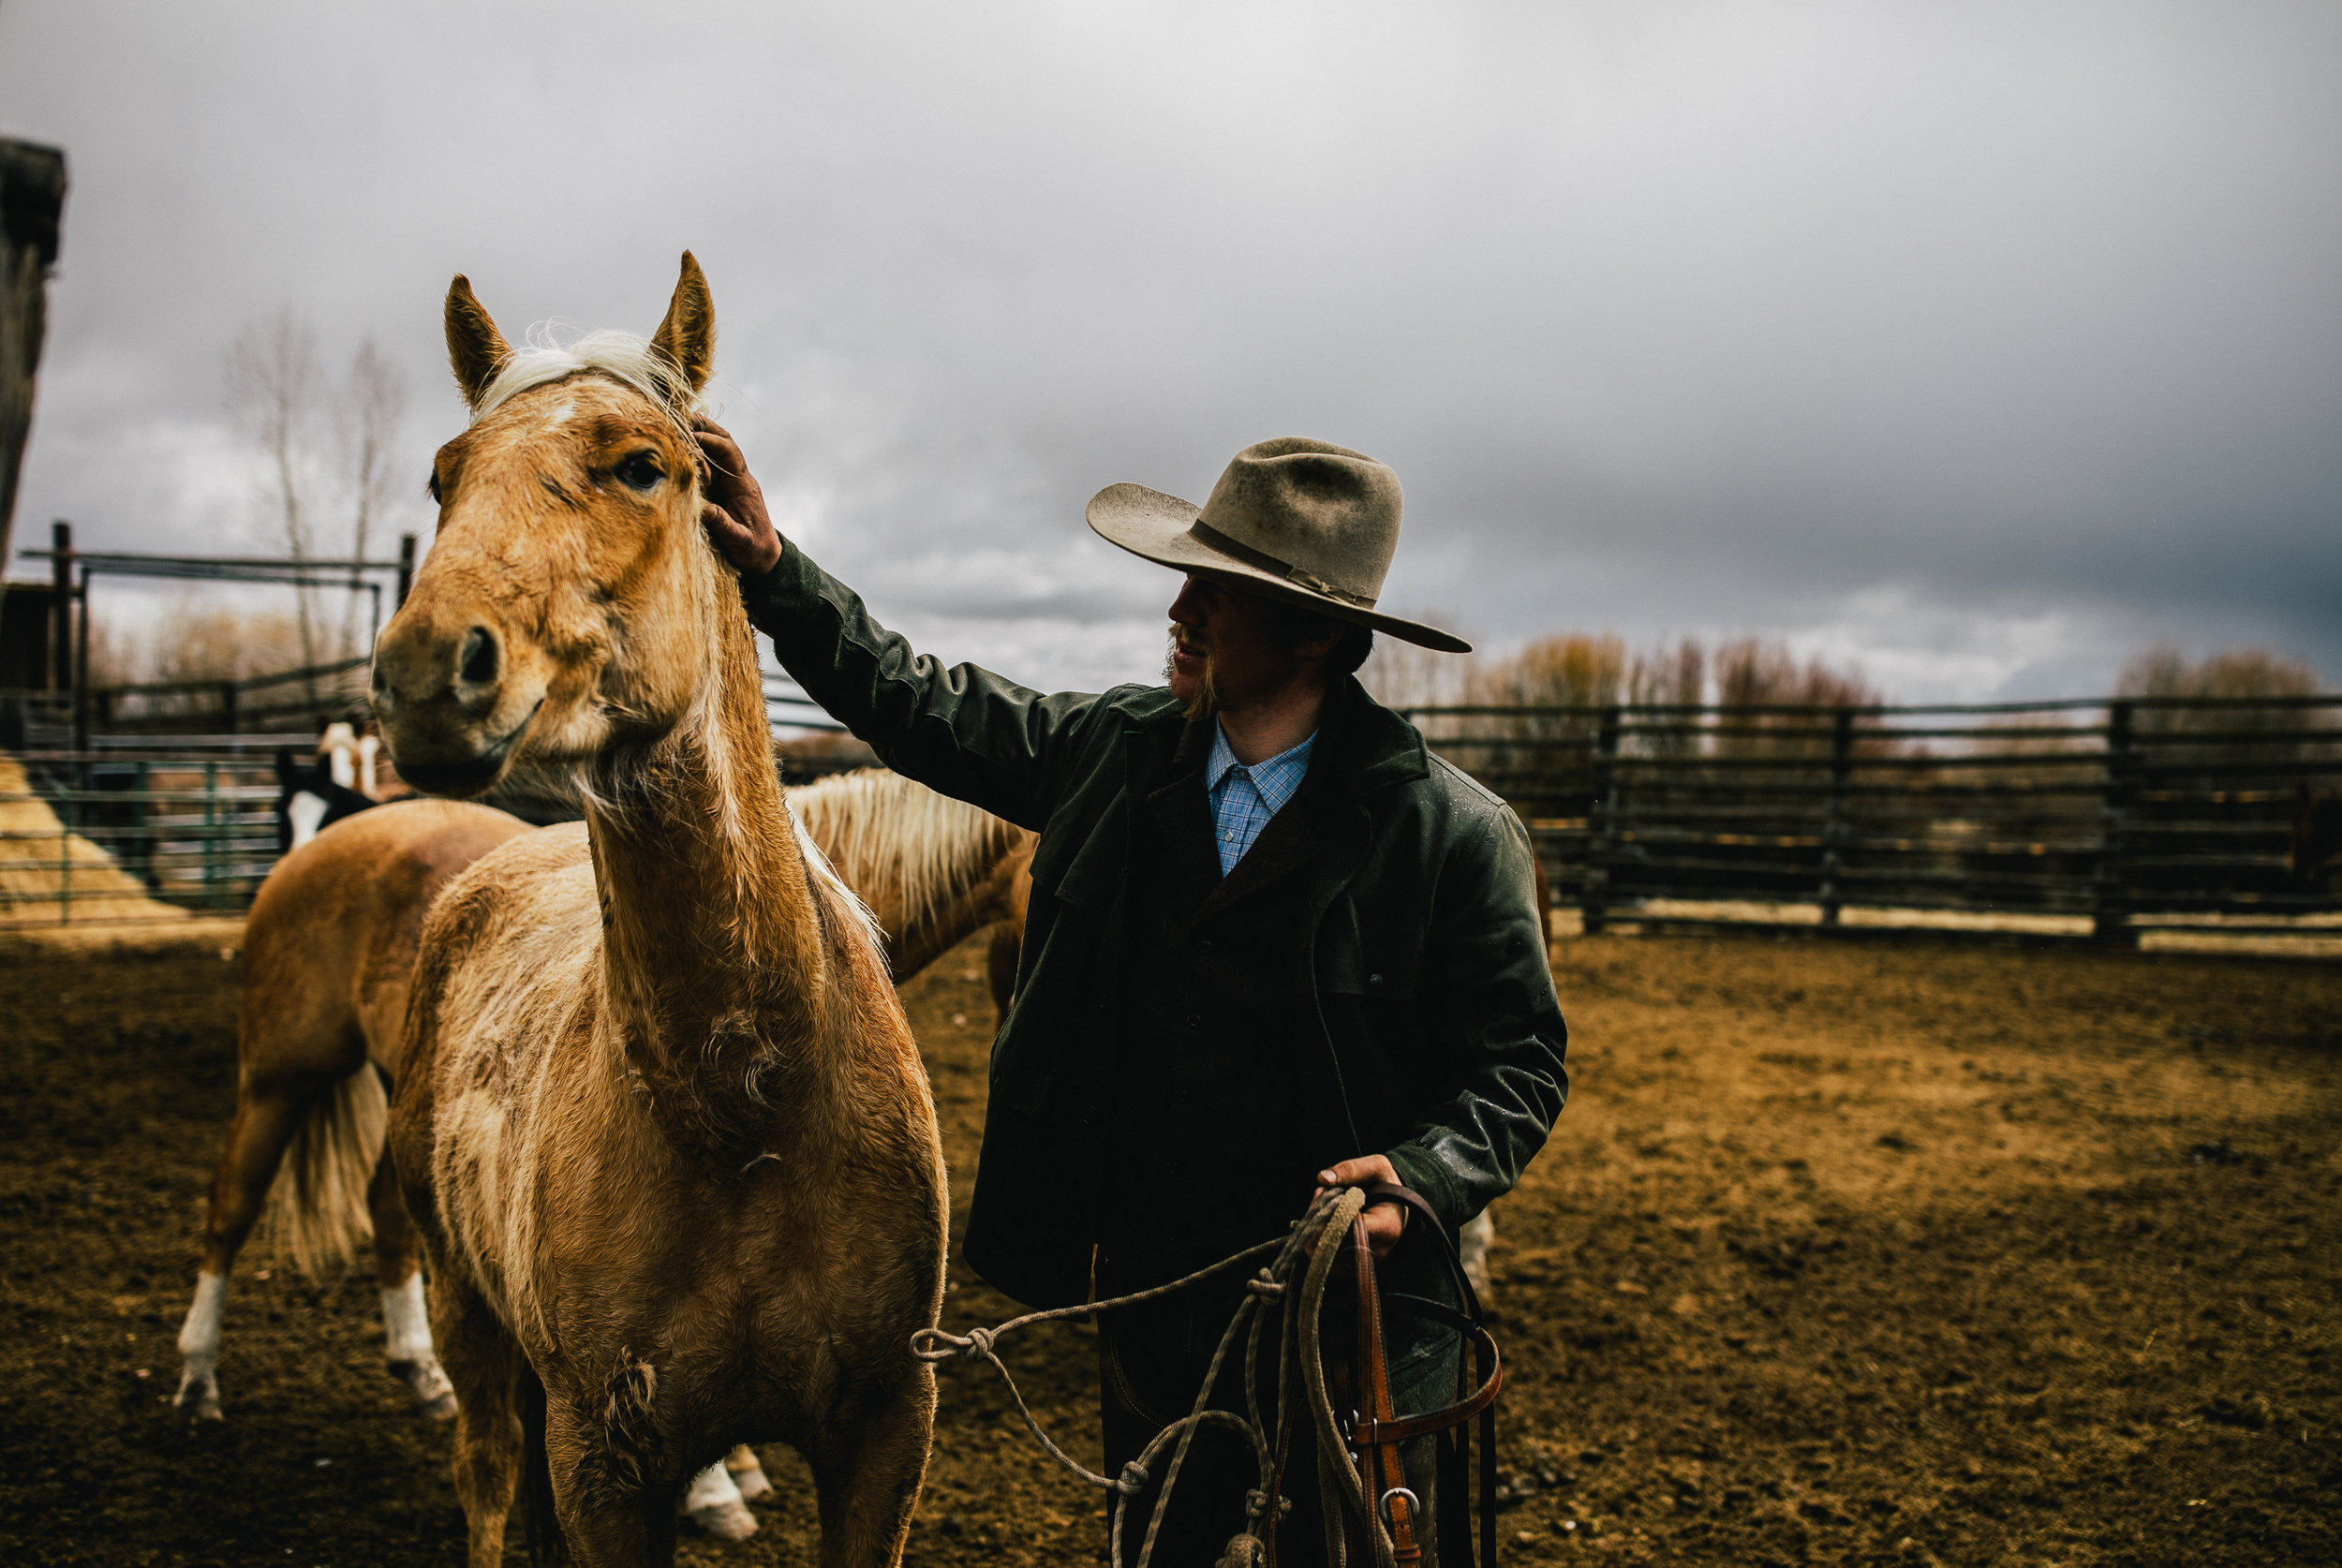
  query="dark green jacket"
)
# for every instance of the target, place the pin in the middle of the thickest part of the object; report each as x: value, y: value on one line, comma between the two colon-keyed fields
x: 1438, y: 1038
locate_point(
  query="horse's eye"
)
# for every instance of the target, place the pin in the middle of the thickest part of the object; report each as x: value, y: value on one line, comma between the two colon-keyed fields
x: 640, y: 471
x: 431, y: 486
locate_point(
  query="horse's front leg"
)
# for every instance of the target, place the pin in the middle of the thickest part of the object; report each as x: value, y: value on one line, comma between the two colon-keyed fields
x: 613, y: 1514
x: 484, y: 1366
x: 866, y: 1475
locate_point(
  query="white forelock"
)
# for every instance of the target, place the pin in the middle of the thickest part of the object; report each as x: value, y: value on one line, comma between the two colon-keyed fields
x: 621, y: 356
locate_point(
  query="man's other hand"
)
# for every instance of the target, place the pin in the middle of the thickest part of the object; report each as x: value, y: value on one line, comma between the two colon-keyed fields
x: 733, y: 512
x: 1386, y: 1221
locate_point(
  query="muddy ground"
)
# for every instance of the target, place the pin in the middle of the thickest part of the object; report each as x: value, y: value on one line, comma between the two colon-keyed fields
x: 1841, y: 1253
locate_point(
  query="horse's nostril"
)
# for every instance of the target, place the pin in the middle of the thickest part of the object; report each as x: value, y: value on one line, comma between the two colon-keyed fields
x: 478, y: 665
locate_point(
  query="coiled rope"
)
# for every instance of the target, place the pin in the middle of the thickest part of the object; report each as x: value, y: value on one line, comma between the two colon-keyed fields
x: 1309, y: 1253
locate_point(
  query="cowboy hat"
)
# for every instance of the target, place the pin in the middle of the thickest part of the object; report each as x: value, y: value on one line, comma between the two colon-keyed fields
x: 1302, y: 520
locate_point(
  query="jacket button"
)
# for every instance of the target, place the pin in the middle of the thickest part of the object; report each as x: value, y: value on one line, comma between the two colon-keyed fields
x: 1204, y: 946
x: 1195, y: 1021
x: 1374, y: 980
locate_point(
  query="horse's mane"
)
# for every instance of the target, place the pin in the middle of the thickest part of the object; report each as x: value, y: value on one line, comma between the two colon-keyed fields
x: 905, y: 848
x: 621, y: 356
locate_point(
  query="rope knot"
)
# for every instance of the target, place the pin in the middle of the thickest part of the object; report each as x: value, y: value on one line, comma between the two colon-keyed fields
x: 1133, y: 1480
x: 1265, y: 1286
x: 933, y: 1344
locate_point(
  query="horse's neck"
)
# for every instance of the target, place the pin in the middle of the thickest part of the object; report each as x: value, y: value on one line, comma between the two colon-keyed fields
x: 716, y: 958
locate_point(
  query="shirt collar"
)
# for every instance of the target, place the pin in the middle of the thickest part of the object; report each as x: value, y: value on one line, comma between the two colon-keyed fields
x: 1218, y: 765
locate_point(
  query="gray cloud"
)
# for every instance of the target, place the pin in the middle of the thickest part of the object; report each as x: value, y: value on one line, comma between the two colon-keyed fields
x: 1980, y: 343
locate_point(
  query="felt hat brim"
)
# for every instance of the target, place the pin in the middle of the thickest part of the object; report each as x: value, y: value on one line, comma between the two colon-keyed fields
x: 1158, y: 527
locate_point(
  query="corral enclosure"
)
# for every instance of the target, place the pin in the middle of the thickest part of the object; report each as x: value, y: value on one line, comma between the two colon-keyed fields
x: 1840, y: 1253
x: 2108, y: 818
x: 2118, y: 819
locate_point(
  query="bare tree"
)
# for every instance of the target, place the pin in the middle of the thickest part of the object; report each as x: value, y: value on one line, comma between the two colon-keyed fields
x: 326, y: 449
x: 367, y: 415
x: 271, y: 387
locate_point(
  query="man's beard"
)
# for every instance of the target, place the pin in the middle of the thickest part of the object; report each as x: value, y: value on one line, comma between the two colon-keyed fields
x: 1205, y: 702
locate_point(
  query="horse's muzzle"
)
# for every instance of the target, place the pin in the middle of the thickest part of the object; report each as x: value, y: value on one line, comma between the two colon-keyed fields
x: 446, y: 693
x: 460, y: 776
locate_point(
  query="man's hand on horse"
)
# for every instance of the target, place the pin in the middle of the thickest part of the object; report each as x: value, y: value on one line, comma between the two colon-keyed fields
x: 735, y: 517
x: 1386, y: 1221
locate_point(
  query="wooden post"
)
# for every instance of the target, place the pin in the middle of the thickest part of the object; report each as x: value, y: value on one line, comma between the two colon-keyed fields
x: 405, y: 570
x: 61, y: 607
x: 228, y: 707
x: 209, y: 895
x: 1834, y: 833
x: 2109, y: 915
x: 80, y: 668
x: 32, y: 199
x: 1600, y: 823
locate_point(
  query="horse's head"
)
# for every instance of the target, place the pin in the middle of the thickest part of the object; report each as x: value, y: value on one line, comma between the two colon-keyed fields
x: 564, y: 607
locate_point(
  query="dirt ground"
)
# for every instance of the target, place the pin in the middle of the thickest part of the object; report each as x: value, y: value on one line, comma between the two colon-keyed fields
x: 1841, y: 1253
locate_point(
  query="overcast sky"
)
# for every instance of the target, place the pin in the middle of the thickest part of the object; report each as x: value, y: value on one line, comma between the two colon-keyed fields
x: 1979, y: 344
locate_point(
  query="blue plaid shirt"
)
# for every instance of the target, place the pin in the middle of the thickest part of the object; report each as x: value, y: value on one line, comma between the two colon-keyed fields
x: 1243, y: 799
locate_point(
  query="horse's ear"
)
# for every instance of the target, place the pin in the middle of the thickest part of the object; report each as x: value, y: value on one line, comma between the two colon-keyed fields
x: 688, y: 337
x: 474, y: 347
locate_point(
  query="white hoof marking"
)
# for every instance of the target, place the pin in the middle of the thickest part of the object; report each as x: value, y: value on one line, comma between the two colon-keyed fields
x: 748, y: 1473
x: 713, y: 1503
x: 407, y: 1343
x: 199, y: 1348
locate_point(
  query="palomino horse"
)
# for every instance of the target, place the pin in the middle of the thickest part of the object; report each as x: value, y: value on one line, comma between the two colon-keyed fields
x: 330, y: 947
x: 661, y: 1122
x: 932, y: 869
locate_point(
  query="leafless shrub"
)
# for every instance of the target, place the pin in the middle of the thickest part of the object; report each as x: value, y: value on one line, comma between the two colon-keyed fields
x: 222, y: 643
x: 2236, y: 674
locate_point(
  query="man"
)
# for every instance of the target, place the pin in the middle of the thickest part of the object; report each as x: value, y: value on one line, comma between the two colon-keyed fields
x: 1273, y: 944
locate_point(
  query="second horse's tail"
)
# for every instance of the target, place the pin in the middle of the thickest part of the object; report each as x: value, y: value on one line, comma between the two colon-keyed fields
x: 316, y: 1210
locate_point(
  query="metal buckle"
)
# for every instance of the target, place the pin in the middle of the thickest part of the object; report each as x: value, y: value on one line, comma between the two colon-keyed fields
x: 1415, y: 1505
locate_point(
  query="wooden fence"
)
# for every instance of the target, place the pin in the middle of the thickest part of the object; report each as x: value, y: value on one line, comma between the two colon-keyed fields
x: 171, y: 807
x: 2105, y: 817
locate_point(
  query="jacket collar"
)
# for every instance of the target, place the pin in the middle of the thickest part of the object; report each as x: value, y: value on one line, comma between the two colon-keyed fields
x: 1362, y: 746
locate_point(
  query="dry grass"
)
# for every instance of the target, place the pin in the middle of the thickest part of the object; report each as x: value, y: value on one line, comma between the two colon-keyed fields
x: 73, y: 881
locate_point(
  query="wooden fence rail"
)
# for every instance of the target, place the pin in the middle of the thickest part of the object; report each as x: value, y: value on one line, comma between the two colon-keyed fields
x: 2121, y: 813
